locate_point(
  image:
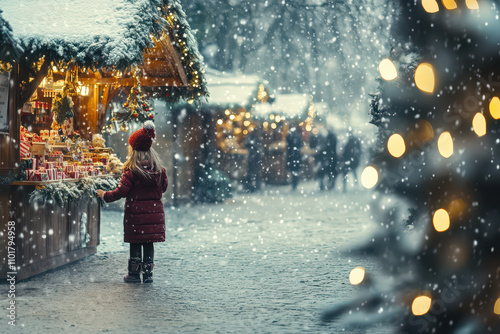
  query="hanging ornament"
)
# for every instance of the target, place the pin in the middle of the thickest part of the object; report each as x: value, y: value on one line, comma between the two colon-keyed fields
x: 124, y: 127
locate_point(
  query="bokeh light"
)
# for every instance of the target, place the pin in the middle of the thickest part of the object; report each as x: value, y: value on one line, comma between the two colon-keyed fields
x: 479, y: 124
x: 496, y: 308
x: 449, y: 4
x: 472, y: 4
x: 357, y: 275
x: 495, y: 107
x: 369, y: 177
x: 441, y: 220
x: 430, y: 6
x: 421, y: 305
x: 387, y: 69
x: 424, y: 77
x: 396, y: 145
x: 445, y: 144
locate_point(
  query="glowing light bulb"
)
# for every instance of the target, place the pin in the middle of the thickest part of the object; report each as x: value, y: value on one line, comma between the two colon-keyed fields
x: 441, y: 220
x: 495, y: 107
x: 396, y: 145
x: 421, y: 305
x: 449, y: 4
x: 430, y: 6
x: 219, y: 121
x: 357, y: 275
x: 369, y: 177
x: 424, y: 77
x: 387, y: 70
x: 479, y: 124
x: 472, y: 4
x: 445, y: 144
x: 496, y: 308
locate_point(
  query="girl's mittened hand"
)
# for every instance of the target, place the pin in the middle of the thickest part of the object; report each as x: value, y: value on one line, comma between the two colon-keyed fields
x: 100, y: 193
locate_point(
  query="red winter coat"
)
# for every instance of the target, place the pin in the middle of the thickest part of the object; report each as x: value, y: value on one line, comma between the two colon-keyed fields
x: 144, y: 219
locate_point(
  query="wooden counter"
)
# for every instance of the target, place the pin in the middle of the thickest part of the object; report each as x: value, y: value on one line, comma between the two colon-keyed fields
x: 46, y: 236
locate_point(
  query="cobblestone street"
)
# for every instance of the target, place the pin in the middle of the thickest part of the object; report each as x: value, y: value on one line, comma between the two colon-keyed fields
x: 269, y: 262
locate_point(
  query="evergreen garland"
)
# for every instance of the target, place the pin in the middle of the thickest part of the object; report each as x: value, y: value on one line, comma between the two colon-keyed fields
x: 64, y: 192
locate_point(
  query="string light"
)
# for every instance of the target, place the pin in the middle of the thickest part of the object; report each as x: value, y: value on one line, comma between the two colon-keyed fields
x: 424, y: 77
x: 387, y: 69
x: 496, y: 308
x: 396, y: 145
x: 369, y: 177
x: 479, y: 124
x: 421, y: 305
x: 445, y: 144
x: 430, y: 6
x: 441, y: 220
x: 472, y: 4
x: 357, y: 275
x: 449, y: 4
x: 495, y: 107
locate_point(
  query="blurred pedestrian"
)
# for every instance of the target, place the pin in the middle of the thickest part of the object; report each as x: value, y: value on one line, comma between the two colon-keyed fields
x: 294, y: 154
x: 351, y: 156
x: 254, y: 162
x: 329, y: 159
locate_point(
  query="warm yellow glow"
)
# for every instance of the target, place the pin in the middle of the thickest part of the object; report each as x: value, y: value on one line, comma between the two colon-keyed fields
x: 495, y: 107
x: 271, y: 116
x: 246, y: 123
x: 247, y: 115
x: 232, y: 117
x: 396, y: 145
x: 441, y: 220
x: 265, y: 124
x: 315, y: 131
x: 479, y: 124
x: 227, y: 112
x: 273, y: 126
x: 421, y: 305
x: 369, y: 177
x: 449, y: 4
x: 237, y: 131
x: 308, y: 127
x: 472, y: 4
x: 496, y: 309
x: 424, y: 77
x: 278, y: 119
x: 430, y: 6
x: 387, y: 70
x: 445, y: 144
x: 357, y: 275
x: 219, y: 121
x: 245, y: 132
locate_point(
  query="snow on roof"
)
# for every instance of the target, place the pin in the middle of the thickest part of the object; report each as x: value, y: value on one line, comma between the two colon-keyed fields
x: 288, y: 105
x: 228, y: 89
x: 87, y: 30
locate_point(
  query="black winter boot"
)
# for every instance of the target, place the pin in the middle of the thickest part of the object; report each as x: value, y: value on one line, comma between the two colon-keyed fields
x: 134, y: 270
x: 147, y: 275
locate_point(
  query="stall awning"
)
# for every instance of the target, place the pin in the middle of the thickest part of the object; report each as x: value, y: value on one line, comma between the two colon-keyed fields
x: 111, y: 34
x: 229, y: 89
x: 287, y: 105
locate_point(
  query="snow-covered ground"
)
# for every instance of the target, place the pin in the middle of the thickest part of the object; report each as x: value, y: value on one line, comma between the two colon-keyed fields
x: 263, y: 263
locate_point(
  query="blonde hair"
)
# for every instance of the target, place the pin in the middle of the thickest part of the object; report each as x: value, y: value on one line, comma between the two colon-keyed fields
x: 135, y: 157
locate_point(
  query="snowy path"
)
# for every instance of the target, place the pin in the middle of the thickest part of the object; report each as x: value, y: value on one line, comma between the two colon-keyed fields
x: 264, y: 263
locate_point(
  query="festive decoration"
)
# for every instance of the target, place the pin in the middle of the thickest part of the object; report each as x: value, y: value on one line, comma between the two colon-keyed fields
x: 136, y: 109
x: 436, y: 199
x: 64, y: 192
x: 62, y: 109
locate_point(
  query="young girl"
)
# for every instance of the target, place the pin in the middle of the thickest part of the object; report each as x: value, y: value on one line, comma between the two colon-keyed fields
x: 143, y: 182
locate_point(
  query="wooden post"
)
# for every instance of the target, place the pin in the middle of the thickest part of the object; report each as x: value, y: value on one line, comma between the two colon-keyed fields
x: 175, y: 162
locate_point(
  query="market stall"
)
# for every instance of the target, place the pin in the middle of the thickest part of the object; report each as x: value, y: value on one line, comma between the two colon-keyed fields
x: 275, y: 120
x: 60, y: 93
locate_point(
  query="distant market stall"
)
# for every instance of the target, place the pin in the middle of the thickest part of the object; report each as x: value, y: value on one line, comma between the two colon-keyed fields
x: 65, y: 62
x: 275, y: 120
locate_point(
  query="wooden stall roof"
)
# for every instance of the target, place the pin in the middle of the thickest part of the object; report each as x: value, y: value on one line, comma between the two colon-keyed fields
x: 111, y: 34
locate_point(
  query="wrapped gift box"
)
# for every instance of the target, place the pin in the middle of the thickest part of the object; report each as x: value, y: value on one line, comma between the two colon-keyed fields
x: 49, y: 165
x: 70, y: 168
x: 25, y: 147
x: 51, y: 173
x: 74, y: 175
x: 41, y: 176
x: 30, y: 174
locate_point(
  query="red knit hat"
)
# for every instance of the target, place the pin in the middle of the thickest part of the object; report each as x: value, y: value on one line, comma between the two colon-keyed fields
x: 142, y: 139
